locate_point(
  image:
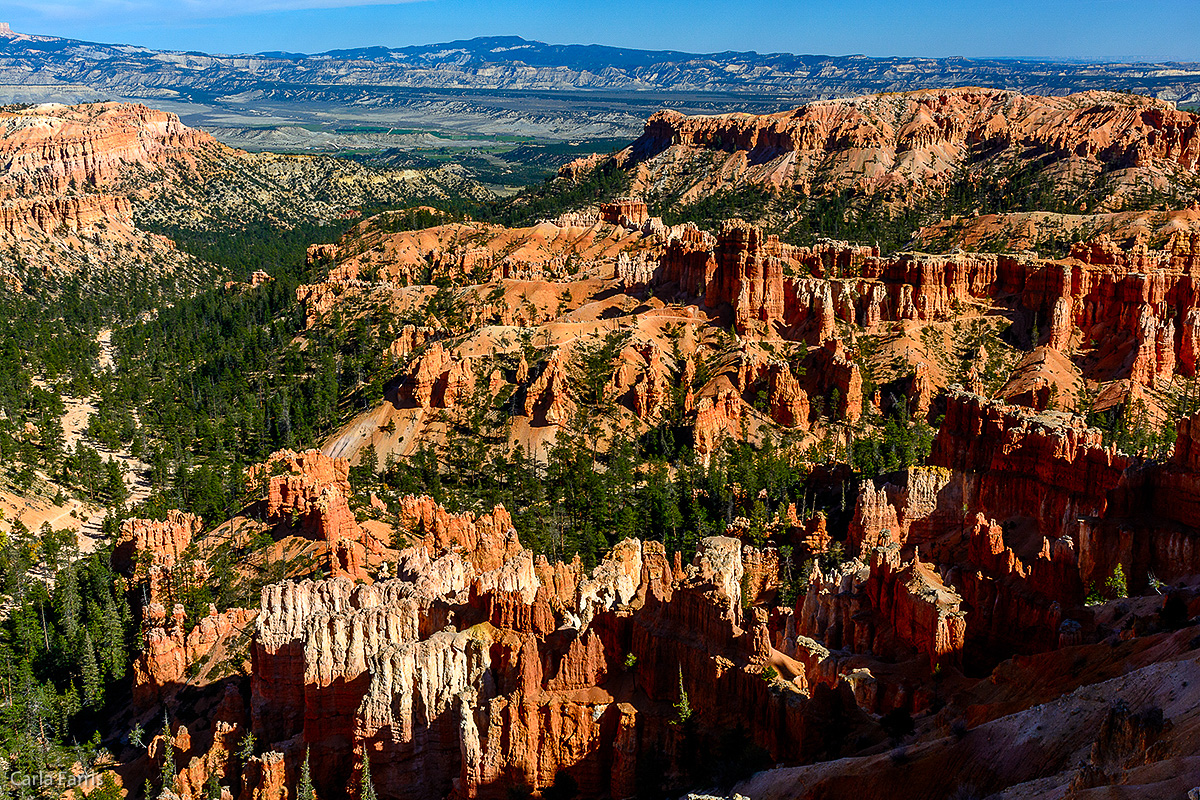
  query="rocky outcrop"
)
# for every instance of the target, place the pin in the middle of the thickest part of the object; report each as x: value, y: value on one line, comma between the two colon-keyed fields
x: 914, y: 143
x: 628, y: 212
x: 1024, y: 511
x: 487, y: 541
x: 1049, y: 463
x: 309, y: 487
x: 146, y: 543
x: 789, y: 402
x: 308, y: 493
x: 887, y: 608
x: 829, y: 372
x: 204, y: 752
x: 927, y: 505
x: 469, y: 687
x: 717, y: 416
x: 748, y: 276
x: 548, y: 398
x: 73, y: 174
x: 50, y: 150
x: 438, y: 379
x: 171, y: 652
x: 294, y: 481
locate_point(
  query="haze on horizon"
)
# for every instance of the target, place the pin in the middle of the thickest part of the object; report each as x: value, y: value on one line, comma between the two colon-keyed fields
x: 1100, y: 30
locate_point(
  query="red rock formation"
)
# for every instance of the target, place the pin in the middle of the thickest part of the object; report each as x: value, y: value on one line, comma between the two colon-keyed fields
x: 1103, y: 295
x: 1024, y: 511
x: 71, y: 173
x: 293, y: 481
x: 1044, y: 380
x: 651, y: 390
x: 761, y: 575
x: 827, y: 369
x: 145, y: 543
x: 201, y: 753
x: 50, y: 150
x: 926, y: 506
x: 1049, y: 463
x: 492, y: 689
x: 310, y: 491
x: 438, y: 379
x: 921, y: 392
x: 717, y: 416
x: 788, y: 401
x: 889, y: 608
x: 688, y: 260
x: 1061, y: 327
x: 749, y: 276
x: 548, y: 399
x: 924, y: 138
x: 487, y: 541
x: 170, y: 651
x: 628, y: 212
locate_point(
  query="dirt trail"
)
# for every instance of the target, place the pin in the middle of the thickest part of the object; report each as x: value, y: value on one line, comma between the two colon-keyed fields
x: 104, y: 338
x: 78, y: 411
x: 75, y: 422
x: 85, y: 518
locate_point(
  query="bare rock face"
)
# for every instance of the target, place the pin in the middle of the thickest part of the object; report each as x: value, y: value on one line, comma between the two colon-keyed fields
x: 1061, y: 327
x: 294, y: 481
x: 1023, y: 512
x: 145, y: 543
x: 1100, y: 294
x: 488, y: 541
x: 1047, y: 462
x: 719, y: 562
x: 50, y: 150
x: 924, y: 138
x: 614, y: 582
x: 749, y: 276
x: 717, y: 416
x: 789, y: 401
x: 170, y: 651
x: 628, y: 212
x: 889, y: 608
x: 457, y: 680
x: 425, y: 372
x: 438, y: 379
x: 927, y: 505
x: 311, y: 490
x: 651, y: 391
x: 548, y: 399
x: 828, y: 370
x: 150, y: 554
x: 200, y: 753
x: 921, y: 391
x: 72, y: 172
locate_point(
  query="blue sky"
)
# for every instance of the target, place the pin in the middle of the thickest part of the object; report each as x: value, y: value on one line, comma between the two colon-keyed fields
x: 1088, y: 29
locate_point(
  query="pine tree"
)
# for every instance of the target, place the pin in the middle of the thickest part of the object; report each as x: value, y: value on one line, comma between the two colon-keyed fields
x: 112, y: 639
x: 305, y: 790
x: 69, y: 603
x: 167, y: 776
x: 683, y: 707
x: 363, y: 473
x: 246, y: 748
x: 1116, y: 583
x: 93, y: 688
x: 212, y: 786
x: 366, y: 790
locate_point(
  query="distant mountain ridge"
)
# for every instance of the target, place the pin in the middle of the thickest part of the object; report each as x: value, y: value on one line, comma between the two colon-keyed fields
x: 513, y: 63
